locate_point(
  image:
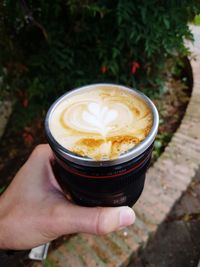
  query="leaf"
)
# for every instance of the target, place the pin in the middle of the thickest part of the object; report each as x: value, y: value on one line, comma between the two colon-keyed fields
x: 197, y: 20
x: 166, y: 22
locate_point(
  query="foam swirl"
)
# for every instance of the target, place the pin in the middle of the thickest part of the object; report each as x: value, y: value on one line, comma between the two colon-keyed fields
x: 101, y: 122
x: 96, y: 118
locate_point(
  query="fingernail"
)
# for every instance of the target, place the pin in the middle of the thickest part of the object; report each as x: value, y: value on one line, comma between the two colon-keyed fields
x: 126, y: 217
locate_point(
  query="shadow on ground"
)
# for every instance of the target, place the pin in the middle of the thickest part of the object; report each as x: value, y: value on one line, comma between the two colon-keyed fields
x: 177, y: 241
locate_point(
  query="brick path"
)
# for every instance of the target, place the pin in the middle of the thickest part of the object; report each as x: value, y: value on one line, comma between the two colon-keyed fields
x: 166, y: 181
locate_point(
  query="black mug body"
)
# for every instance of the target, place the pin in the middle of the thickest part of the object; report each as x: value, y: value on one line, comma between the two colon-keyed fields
x: 110, y: 186
x: 116, y: 180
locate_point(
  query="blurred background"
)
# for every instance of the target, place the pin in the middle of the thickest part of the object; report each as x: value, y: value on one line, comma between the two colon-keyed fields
x: 50, y: 47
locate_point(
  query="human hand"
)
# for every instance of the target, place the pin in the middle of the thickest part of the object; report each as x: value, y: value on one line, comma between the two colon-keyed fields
x: 34, y: 210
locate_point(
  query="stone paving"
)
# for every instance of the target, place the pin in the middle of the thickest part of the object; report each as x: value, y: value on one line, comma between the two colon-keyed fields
x: 165, y: 183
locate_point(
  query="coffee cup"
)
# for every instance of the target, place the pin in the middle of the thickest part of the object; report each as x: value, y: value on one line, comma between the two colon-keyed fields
x: 102, y: 138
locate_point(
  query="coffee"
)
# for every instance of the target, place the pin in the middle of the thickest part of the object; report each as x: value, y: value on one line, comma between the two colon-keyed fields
x: 102, y: 137
x: 100, y: 122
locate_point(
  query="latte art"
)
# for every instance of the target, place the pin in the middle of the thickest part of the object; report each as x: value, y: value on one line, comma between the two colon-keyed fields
x: 94, y: 117
x: 100, y: 122
x: 100, y: 117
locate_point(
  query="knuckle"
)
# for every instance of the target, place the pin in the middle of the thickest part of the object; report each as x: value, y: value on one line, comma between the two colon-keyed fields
x: 101, y: 222
x: 38, y: 150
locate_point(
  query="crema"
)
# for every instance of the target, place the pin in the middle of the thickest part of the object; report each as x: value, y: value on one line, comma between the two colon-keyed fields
x: 100, y: 122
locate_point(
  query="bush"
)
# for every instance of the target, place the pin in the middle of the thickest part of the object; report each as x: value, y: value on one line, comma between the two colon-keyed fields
x: 48, y: 47
x: 197, y: 20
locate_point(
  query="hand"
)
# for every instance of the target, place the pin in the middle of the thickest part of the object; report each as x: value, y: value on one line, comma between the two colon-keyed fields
x: 34, y: 210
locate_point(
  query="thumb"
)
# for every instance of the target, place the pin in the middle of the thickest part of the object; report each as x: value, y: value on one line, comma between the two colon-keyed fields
x: 98, y: 220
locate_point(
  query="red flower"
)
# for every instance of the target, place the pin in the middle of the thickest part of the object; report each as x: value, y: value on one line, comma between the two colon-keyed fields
x: 104, y: 69
x: 25, y: 102
x: 28, y: 138
x: 135, y: 65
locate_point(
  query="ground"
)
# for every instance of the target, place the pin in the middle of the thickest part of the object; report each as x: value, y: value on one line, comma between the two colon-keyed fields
x: 177, y: 242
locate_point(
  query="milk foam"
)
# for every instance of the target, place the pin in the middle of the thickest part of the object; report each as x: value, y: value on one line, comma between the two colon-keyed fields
x: 99, y: 118
x: 100, y: 122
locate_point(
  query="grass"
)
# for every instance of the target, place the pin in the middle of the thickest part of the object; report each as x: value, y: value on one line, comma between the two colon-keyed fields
x: 197, y: 20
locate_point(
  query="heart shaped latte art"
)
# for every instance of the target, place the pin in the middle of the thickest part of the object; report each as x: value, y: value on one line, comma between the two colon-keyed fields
x: 100, y: 123
x: 99, y: 117
x: 96, y: 117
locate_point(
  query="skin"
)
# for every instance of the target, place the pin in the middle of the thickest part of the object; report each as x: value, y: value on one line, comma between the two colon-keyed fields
x: 34, y: 210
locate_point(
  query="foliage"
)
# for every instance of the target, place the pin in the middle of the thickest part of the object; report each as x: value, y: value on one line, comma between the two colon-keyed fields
x: 48, y: 263
x: 48, y: 47
x: 197, y: 20
x: 160, y: 143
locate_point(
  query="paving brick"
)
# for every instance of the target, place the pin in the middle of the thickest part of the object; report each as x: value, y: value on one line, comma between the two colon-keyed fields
x: 152, y: 201
x: 102, y: 250
x: 190, y: 117
x: 173, y: 153
x: 117, y: 253
x: 96, y: 260
x: 63, y: 260
x: 131, y: 238
x: 192, y: 156
x: 71, y: 255
x: 149, y: 214
x: 158, y: 207
x: 170, y: 185
x: 191, y: 130
x: 157, y: 192
x: 186, y: 140
x: 119, y: 240
x: 172, y: 178
x: 38, y: 264
x: 187, y: 154
x: 182, y: 171
x: 74, y: 253
x: 85, y: 253
x: 141, y: 229
x: 54, y: 259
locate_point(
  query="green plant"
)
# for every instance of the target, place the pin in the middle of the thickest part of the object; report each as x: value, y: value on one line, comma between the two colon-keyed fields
x: 48, y: 263
x: 197, y: 20
x: 160, y: 143
x: 48, y: 47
